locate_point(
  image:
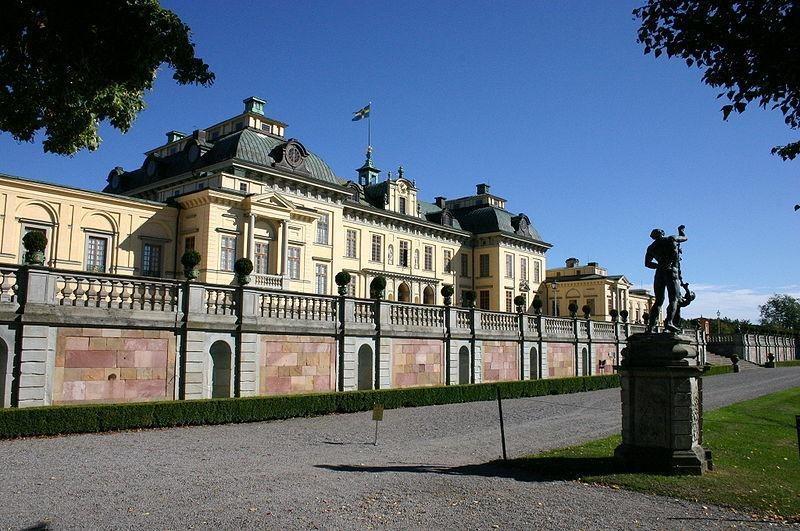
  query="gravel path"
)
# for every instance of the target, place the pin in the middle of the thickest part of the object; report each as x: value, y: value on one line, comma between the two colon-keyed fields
x: 427, y: 471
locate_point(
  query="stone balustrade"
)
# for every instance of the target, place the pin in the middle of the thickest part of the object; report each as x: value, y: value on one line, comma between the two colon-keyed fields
x: 82, y: 337
x: 755, y: 348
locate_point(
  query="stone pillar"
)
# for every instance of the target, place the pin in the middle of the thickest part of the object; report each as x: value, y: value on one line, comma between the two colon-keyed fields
x: 662, y: 409
x: 251, y: 236
x: 284, y: 247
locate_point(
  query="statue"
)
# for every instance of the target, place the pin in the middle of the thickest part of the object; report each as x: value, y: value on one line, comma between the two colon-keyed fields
x: 664, y: 255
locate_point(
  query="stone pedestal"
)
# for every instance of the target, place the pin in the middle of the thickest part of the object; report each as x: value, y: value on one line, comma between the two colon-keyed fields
x: 662, y: 408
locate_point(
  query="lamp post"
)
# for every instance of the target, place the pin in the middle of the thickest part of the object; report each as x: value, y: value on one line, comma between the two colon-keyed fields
x: 718, y: 315
x: 554, y: 285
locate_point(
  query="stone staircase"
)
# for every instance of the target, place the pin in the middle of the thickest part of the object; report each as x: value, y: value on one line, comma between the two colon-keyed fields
x: 714, y: 359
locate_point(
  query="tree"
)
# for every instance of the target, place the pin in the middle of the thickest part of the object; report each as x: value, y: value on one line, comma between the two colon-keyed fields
x: 782, y: 312
x: 67, y: 66
x: 748, y: 48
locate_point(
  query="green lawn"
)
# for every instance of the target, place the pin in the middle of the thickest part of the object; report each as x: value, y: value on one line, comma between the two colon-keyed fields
x: 754, y: 447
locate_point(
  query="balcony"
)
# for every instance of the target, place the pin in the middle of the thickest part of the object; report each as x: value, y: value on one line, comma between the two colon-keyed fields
x: 268, y: 281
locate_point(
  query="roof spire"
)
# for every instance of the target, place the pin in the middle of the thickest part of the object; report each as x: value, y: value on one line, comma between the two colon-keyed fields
x: 368, y: 173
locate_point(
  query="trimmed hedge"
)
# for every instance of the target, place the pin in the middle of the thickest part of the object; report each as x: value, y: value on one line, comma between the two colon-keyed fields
x: 90, y: 418
x: 58, y: 420
x: 718, y: 369
x: 789, y: 363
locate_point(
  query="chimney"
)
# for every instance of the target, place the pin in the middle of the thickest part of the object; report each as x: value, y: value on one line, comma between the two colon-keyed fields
x: 254, y: 105
x: 199, y: 135
x: 573, y: 262
x: 482, y: 188
x: 440, y: 201
x: 593, y: 264
x: 173, y: 136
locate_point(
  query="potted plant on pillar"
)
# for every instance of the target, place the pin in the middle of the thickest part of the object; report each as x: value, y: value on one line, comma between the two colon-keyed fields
x: 377, y: 287
x: 519, y: 302
x: 614, y: 314
x: 646, y: 318
x: 624, y: 316
x: 243, y: 267
x: 447, y: 292
x: 573, y: 309
x: 190, y: 260
x: 35, y: 242
x: 537, y: 305
x: 468, y: 298
x: 587, y: 311
x: 342, y: 280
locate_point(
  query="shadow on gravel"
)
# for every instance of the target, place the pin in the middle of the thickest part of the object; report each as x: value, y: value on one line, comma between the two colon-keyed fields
x: 545, y: 469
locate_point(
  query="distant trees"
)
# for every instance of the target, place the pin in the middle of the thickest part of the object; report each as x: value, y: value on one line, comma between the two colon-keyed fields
x: 67, y: 66
x: 782, y: 312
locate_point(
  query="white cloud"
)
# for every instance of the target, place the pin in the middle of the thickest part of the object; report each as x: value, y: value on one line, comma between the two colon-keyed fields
x: 733, y: 301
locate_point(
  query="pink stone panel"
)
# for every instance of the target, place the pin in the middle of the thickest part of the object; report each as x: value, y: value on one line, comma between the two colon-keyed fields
x: 500, y: 361
x: 89, y: 358
x: 417, y: 362
x: 296, y: 364
x: 560, y: 360
x: 604, y: 352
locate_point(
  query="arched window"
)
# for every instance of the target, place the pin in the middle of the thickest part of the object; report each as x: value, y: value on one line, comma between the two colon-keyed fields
x: 587, y: 366
x: 403, y: 293
x: 463, y: 366
x: 534, y: 364
x: 365, y: 367
x: 221, y: 375
x: 428, y: 296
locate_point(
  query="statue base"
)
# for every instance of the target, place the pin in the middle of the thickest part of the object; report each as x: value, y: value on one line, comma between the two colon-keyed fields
x: 662, y: 405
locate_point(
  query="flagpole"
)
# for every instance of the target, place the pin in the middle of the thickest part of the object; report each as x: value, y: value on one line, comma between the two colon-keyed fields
x: 369, y: 126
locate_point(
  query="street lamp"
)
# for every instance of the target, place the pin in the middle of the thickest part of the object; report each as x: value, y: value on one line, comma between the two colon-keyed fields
x: 554, y: 285
x: 718, y: 315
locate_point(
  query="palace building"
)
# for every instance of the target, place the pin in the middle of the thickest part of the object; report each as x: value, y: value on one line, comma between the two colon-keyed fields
x: 241, y: 188
x: 591, y: 285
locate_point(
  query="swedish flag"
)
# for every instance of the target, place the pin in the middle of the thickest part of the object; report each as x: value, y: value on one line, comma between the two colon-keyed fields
x: 362, y: 113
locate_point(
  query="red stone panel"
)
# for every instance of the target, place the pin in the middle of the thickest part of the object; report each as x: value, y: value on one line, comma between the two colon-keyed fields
x: 297, y: 364
x: 560, y: 360
x: 500, y: 361
x: 417, y: 362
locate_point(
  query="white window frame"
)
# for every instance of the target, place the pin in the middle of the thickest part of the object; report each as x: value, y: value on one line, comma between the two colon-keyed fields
x: 108, y: 238
x: 160, y: 271
x: 376, y: 248
x: 321, y: 278
x: 523, y: 268
x: 258, y: 261
x: 448, y: 260
x: 224, y: 251
x: 323, y: 229
x: 484, y: 259
x: 428, y: 258
x: 403, y: 258
x: 509, y: 265
x: 293, y: 262
x: 47, y: 228
x: 351, y: 243
x: 464, y: 265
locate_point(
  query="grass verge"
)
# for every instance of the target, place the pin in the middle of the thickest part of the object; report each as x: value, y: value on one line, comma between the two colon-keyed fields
x: 754, y: 447
x: 790, y: 363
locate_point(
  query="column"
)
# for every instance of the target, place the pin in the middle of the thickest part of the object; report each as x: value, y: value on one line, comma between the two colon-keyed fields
x: 284, y: 247
x: 251, y: 238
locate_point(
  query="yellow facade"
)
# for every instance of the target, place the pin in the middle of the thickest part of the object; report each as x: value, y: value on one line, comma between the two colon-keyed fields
x: 240, y: 189
x: 592, y: 285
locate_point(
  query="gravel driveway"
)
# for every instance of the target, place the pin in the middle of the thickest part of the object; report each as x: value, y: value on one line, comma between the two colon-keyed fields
x: 427, y: 471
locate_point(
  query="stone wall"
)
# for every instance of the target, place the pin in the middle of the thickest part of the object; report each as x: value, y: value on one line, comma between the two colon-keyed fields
x: 296, y: 364
x: 560, y: 360
x: 500, y: 361
x: 111, y: 365
x: 417, y: 362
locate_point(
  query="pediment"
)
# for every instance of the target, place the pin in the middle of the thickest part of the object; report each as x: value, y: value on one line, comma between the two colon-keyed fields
x: 272, y: 200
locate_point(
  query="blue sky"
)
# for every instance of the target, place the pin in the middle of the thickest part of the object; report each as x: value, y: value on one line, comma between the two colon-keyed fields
x: 553, y: 104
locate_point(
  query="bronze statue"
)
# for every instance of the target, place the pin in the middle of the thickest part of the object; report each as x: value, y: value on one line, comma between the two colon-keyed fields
x: 664, y: 255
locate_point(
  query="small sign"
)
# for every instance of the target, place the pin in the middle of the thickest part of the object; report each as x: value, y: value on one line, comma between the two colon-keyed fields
x: 377, y: 412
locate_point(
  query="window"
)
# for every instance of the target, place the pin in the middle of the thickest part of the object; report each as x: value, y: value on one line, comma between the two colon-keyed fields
x: 351, y: 287
x: 25, y: 231
x: 464, y: 265
x: 261, y: 258
x: 403, y: 259
x: 350, y: 247
x: 402, y: 205
x: 151, y: 260
x: 293, y: 262
x: 377, y: 248
x: 448, y: 261
x: 523, y: 269
x: 227, y: 253
x: 188, y: 243
x: 484, y: 265
x: 322, y: 229
x: 509, y: 301
x: 322, y: 279
x: 537, y: 271
x: 509, y: 266
x: 96, y: 254
x: 243, y: 187
x: 428, y: 258
x: 483, y: 299
x: 266, y: 127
